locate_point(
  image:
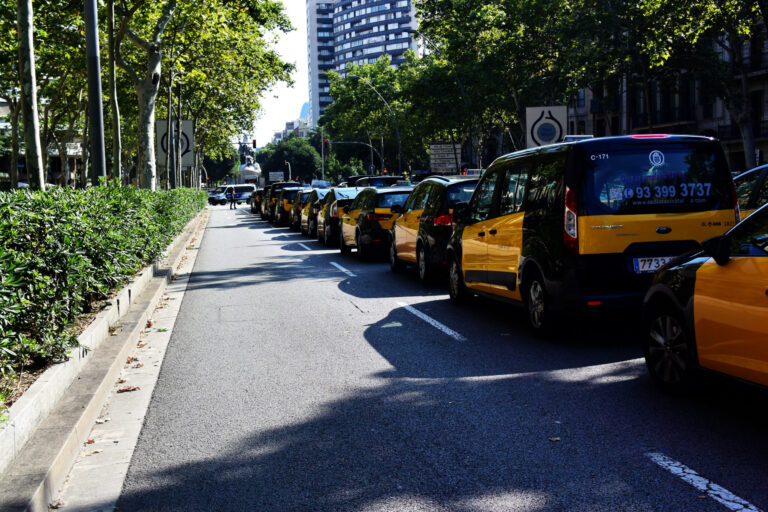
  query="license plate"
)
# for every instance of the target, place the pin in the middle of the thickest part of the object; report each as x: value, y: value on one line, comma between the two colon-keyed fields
x: 649, y: 265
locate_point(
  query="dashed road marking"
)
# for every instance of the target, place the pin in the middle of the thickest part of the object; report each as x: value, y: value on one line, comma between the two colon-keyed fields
x: 434, y: 323
x: 714, y: 491
x: 348, y: 272
x: 305, y: 247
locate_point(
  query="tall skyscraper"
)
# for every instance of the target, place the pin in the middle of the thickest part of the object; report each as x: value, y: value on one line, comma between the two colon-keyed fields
x: 345, y: 32
x: 320, y: 46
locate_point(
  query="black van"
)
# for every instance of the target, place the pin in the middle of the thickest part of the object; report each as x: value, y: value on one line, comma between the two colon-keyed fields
x: 584, y: 225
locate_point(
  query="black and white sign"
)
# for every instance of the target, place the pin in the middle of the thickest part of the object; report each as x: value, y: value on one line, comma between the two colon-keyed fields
x: 187, y: 141
x: 277, y: 176
x: 545, y: 125
x: 444, y: 157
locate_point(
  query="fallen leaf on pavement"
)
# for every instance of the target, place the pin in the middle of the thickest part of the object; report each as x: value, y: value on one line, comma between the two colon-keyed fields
x: 90, y: 441
x: 130, y: 360
x: 126, y: 389
x: 101, y: 421
x: 141, y: 344
x: 56, y: 504
x: 94, y: 452
x: 120, y: 381
x: 138, y: 365
x: 554, y: 439
x: 150, y: 323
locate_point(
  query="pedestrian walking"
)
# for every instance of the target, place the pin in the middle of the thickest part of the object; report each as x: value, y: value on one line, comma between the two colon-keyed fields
x: 231, y: 192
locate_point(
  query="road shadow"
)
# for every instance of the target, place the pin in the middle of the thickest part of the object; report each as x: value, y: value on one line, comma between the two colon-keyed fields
x: 519, y: 442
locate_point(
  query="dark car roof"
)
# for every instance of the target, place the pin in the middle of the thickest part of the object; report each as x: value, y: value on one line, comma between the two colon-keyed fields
x: 449, y: 180
x: 390, y: 190
x: 601, y: 142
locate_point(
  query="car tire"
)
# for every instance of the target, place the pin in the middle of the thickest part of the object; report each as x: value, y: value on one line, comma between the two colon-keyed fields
x: 457, y: 290
x: 422, y: 264
x: 540, y: 316
x: 669, y: 349
x: 363, y: 251
x: 311, y: 229
x: 344, y: 248
x: 395, y: 263
x: 326, y: 236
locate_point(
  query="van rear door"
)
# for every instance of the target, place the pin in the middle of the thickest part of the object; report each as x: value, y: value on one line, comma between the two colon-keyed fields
x: 653, y: 198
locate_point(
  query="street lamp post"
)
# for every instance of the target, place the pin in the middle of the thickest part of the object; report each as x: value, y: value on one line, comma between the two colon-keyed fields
x: 394, y: 119
x: 363, y: 144
x: 289, y: 169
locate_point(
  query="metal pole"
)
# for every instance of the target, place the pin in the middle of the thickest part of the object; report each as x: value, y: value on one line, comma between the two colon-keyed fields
x: 94, y: 91
x: 289, y: 169
x: 322, y: 154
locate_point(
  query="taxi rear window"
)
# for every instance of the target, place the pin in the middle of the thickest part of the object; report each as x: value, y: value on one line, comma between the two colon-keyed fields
x: 389, y: 200
x: 289, y: 194
x: 460, y: 193
x: 664, y: 179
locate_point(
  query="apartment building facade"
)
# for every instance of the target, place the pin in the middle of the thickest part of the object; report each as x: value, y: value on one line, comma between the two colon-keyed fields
x: 345, y: 32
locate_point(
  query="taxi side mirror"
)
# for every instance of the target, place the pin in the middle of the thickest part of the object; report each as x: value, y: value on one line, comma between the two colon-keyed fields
x: 396, y: 208
x: 461, y: 213
x: 345, y: 209
x: 719, y: 248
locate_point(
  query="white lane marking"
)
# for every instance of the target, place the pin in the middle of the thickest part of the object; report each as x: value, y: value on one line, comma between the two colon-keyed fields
x: 714, y: 491
x: 434, y: 323
x: 348, y: 272
x: 304, y: 246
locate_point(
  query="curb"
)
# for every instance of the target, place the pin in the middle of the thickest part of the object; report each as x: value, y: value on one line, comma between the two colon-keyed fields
x: 56, y: 414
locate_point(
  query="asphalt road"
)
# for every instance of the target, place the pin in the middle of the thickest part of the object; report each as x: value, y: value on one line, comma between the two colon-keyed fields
x: 291, y: 385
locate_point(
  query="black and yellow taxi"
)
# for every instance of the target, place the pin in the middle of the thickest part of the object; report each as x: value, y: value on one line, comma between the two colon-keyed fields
x: 308, y: 221
x: 367, y: 220
x: 709, y: 310
x: 584, y: 225
x: 329, y: 214
x: 284, y: 203
x: 256, y: 199
x: 420, y: 234
x: 272, y: 193
x: 752, y: 189
x: 294, y: 218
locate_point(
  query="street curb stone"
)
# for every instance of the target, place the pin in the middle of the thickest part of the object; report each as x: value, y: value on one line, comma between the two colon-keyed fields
x: 52, y: 419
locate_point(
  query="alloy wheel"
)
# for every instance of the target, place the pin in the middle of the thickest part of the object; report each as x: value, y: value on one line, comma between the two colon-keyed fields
x: 667, y: 349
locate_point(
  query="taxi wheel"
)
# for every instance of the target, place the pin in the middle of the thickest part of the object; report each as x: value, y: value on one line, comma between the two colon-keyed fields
x: 395, y: 263
x: 425, y: 269
x: 457, y: 290
x: 537, y: 305
x: 326, y: 236
x: 669, y: 354
x: 345, y: 249
x: 363, y: 251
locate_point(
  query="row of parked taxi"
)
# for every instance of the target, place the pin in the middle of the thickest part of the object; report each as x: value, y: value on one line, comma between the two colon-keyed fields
x: 647, y: 222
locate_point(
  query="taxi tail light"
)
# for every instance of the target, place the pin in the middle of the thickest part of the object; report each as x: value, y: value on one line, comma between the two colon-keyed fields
x: 378, y: 216
x: 444, y: 220
x: 334, y: 211
x: 316, y: 210
x: 735, y: 199
x: 571, y: 225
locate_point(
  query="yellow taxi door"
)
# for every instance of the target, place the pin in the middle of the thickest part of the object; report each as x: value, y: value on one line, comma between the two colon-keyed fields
x: 505, y: 235
x: 349, y: 220
x: 474, y: 238
x: 731, y: 306
x: 408, y: 224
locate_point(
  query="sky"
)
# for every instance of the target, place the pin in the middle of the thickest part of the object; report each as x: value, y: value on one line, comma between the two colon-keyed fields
x: 284, y: 103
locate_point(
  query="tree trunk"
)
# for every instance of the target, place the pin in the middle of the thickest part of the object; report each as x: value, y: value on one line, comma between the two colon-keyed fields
x: 44, y: 143
x: 14, y: 107
x: 170, y: 177
x: 117, y: 143
x: 146, y: 170
x: 33, y: 155
x: 177, y: 147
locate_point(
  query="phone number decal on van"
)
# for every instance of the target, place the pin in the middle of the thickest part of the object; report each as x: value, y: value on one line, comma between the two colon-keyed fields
x: 684, y: 190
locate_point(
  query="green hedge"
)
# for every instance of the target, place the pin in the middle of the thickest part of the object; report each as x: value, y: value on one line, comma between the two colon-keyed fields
x: 63, y: 251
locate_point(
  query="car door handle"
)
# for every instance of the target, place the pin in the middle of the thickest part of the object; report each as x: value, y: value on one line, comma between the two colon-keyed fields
x: 493, y: 232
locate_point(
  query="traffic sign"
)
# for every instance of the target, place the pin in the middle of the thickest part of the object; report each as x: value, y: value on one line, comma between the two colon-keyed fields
x: 187, y: 141
x: 545, y: 125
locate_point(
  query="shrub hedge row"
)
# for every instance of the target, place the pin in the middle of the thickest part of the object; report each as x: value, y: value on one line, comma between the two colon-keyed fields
x: 63, y: 251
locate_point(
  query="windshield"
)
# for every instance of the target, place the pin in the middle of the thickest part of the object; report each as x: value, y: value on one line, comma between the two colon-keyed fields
x: 289, y: 194
x: 347, y: 193
x: 672, y: 179
x: 304, y: 196
x: 389, y: 200
x: 460, y: 193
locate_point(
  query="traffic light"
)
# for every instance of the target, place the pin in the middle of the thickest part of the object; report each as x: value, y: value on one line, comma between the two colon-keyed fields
x: 254, y: 143
x: 325, y: 146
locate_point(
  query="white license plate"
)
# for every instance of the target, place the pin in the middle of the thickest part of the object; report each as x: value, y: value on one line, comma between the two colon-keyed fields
x: 649, y: 265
